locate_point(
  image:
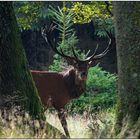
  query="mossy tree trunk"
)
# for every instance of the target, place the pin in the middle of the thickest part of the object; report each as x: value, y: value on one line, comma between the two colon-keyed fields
x: 127, y: 26
x: 15, y: 77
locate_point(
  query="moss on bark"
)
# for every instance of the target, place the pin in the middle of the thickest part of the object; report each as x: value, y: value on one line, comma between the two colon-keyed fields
x: 15, y: 77
x: 127, y: 24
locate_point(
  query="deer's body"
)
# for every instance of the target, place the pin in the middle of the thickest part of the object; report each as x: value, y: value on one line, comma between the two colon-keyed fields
x: 57, y: 89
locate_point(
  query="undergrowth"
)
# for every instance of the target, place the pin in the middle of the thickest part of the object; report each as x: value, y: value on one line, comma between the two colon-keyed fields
x: 92, y: 103
x: 87, y: 125
x: 16, y: 123
x: 100, y: 93
x: 102, y: 123
x: 90, y: 116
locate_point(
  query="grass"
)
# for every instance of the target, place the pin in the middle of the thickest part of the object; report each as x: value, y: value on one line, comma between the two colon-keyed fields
x: 102, y: 123
x: 95, y: 125
x: 77, y: 125
x: 18, y: 124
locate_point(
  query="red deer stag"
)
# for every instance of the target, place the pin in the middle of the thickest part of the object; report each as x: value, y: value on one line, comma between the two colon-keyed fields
x: 58, y: 88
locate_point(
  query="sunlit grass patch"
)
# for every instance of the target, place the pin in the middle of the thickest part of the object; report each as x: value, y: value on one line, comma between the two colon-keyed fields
x: 95, y: 125
x: 77, y: 125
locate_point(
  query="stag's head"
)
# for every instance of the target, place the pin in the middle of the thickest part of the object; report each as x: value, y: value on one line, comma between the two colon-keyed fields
x: 81, y: 66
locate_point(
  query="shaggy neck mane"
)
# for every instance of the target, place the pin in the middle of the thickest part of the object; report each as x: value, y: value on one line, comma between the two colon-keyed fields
x: 74, y: 85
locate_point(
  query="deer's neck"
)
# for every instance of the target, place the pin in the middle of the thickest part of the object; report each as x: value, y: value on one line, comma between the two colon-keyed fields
x: 75, y: 86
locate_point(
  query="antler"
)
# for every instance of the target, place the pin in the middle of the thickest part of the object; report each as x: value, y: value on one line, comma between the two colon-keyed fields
x: 99, y: 56
x: 46, y: 33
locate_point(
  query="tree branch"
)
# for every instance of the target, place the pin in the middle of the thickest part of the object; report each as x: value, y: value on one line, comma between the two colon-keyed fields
x: 107, y: 7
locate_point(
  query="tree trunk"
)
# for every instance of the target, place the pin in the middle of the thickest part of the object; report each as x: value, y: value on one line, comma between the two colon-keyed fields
x: 127, y: 26
x: 15, y: 77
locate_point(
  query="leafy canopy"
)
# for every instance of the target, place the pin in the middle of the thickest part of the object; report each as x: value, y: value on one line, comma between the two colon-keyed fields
x: 85, y: 13
x: 28, y: 14
x: 97, y: 12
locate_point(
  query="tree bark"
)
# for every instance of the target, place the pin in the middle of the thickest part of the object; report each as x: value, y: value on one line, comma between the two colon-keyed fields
x: 15, y: 77
x: 127, y: 26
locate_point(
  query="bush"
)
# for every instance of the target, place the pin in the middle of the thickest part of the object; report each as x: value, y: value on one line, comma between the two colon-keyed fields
x: 56, y: 66
x: 100, y: 81
x: 100, y: 93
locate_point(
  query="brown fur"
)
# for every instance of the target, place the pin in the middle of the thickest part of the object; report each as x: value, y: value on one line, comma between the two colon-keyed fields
x: 60, y: 88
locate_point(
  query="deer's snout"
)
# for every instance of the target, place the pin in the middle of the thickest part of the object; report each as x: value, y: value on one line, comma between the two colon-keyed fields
x: 83, y: 75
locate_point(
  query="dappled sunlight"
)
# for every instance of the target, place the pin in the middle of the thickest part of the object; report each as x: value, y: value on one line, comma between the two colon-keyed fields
x: 95, y: 125
x: 77, y: 125
x: 88, y: 125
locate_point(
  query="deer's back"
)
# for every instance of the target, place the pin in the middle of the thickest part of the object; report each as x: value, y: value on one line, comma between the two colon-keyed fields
x: 51, y: 88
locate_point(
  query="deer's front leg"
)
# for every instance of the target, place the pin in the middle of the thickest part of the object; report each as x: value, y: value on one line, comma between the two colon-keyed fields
x: 62, y: 118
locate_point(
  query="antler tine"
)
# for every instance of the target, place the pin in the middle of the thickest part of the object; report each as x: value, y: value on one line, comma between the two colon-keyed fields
x: 54, y: 27
x: 104, y: 52
x: 46, y: 33
x: 100, y: 55
x: 42, y: 31
x: 96, y: 49
x: 109, y: 34
x: 67, y: 56
x: 74, y: 53
x: 51, y: 28
x: 90, y: 57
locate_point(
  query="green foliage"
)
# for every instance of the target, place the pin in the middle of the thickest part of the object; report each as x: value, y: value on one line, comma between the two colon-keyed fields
x: 100, y: 80
x: 84, y: 13
x: 92, y: 103
x: 103, y: 24
x: 56, y: 66
x: 31, y: 15
x: 63, y: 20
x: 28, y: 14
x: 100, y: 93
x: 93, y: 11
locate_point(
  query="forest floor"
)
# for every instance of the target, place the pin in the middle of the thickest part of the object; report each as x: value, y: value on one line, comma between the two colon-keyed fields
x: 77, y: 125
x: 96, y: 125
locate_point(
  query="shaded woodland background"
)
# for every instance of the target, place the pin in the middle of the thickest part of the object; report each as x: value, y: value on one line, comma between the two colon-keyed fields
x: 110, y: 107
